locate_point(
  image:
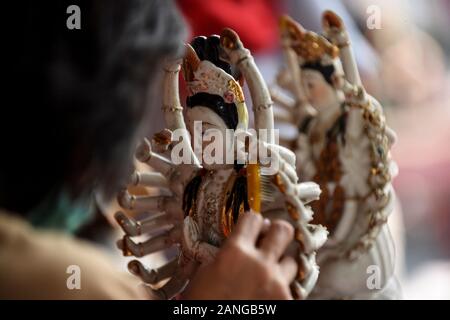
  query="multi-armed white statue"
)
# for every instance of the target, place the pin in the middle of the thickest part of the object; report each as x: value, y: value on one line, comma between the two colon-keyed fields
x: 200, y: 201
x: 343, y: 145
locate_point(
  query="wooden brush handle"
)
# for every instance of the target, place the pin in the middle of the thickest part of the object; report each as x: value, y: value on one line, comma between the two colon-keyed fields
x: 254, y: 187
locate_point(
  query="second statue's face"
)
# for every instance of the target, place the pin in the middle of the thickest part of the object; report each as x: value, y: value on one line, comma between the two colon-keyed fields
x: 322, y: 94
x: 319, y: 92
x: 212, y: 136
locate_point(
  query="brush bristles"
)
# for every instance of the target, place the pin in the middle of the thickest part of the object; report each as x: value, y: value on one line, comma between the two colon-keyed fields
x: 268, y: 189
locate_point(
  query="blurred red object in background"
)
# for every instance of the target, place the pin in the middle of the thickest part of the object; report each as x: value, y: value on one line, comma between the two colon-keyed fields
x: 254, y: 20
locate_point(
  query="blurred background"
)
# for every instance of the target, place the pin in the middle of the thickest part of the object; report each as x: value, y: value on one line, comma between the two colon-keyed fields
x: 404, y: 63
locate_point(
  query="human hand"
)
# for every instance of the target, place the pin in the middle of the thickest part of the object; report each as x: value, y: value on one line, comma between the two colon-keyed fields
x: 250, y: 265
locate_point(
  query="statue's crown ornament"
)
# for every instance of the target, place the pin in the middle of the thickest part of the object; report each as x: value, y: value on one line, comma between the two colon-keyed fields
x: 205, y: 76
x: 308, y: 45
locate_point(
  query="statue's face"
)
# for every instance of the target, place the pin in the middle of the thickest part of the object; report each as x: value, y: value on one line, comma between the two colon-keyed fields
x: 212, y: 136
x: 319, y: 92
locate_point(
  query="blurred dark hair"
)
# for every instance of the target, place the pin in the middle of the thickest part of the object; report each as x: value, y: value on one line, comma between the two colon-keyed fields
x: 77, y: 98
x: 327, y: 71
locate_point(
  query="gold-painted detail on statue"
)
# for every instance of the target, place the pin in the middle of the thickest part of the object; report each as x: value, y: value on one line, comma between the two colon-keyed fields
x: 377, y: 178
x: 313, y: 47
x: 234, y: 87
x: 329, y: 208
x: 279, y: 183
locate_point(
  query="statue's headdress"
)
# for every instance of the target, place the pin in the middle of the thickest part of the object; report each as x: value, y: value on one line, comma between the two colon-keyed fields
x: 210, y: 83
x: 309, y: 46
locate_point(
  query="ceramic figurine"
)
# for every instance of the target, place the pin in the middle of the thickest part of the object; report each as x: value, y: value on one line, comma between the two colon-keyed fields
x: 342, y: 144
x: 199, y: 202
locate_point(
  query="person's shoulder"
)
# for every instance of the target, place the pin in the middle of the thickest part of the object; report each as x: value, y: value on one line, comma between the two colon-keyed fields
x: 42, y: 264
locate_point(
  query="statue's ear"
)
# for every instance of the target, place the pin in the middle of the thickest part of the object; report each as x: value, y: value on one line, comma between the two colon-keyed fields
x: 191, y: 62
